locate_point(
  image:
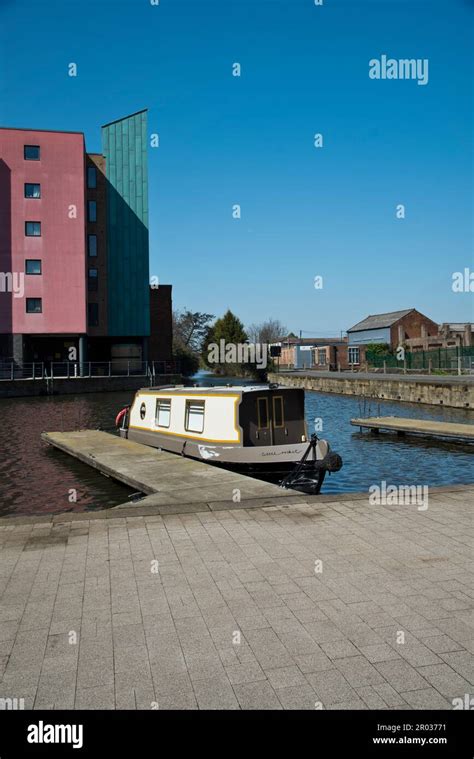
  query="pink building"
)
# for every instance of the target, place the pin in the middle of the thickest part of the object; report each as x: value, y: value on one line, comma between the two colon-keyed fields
x: 42, y: 242
x: 74, y: 246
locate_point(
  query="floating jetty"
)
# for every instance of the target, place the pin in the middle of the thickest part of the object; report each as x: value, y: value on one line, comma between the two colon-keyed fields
x: 171, y: 483
x: 427, y: 428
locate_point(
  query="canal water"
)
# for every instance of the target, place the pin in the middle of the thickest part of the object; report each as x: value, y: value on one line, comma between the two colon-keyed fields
x: 36, y: 479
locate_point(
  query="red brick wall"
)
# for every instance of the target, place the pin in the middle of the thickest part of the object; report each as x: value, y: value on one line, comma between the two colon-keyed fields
x: 411, y: 325
x: 335, y: 354
x: 160, y: 345
x: 341, y: 357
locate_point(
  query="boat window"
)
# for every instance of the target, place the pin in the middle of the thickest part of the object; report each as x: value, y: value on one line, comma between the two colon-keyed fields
x: 262, y: 411
x: 278, y: 418
x: 163, y: 412
x: 194, y: 421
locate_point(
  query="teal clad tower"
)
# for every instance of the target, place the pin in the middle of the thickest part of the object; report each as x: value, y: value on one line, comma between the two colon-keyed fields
x: 124, y: 145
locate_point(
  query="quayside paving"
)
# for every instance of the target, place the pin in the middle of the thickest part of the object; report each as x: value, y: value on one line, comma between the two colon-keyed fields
x: 295, y: 605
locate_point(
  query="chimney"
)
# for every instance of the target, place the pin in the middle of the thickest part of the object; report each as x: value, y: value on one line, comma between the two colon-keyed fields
x: 467, y: 335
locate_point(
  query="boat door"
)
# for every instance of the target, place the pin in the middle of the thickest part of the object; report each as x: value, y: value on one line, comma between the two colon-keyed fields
x: 278, y: 420
x: 270, y: 420
x: 263, y: 433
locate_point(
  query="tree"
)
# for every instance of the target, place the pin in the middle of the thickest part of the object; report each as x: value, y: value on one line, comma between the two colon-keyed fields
x: 190, y: 329
x: 269, y: 331
x: 230, y: 329
x: 187, y: 360
x: 378, y: 349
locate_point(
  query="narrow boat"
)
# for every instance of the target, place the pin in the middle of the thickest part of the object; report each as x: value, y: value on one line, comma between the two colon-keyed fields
x: 258, y: 430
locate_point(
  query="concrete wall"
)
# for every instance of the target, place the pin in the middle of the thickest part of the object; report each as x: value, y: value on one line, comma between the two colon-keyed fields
x: 24, y: 388
x: 455, y: 395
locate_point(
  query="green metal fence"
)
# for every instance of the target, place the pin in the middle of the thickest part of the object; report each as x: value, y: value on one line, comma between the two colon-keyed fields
x: 447, y: 359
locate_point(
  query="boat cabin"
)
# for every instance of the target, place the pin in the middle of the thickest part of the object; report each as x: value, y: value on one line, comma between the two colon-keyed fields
x: 242, y: 416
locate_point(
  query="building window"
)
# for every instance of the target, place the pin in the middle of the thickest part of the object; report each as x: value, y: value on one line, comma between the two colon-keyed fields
x: 92, y: 245
x: 31, y: 152
x: 32, y: 266
x: 262, y: 413
x: 92, y: 280
x: 278, y: 418
x: 33, y: 228
x: 353, y: 355
x: 34, y: 306
x: 322, y: 356
x: 194, y: 417
x: 93, y: 314
x: 92, y: 210
x: 32, y: 190
x: 91, y: 178
x: 163, y: 412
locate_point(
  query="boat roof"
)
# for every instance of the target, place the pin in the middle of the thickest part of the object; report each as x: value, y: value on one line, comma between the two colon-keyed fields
x: 217, y: 389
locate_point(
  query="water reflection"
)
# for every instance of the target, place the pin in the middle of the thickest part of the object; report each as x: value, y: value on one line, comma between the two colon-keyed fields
x: 37, y: 479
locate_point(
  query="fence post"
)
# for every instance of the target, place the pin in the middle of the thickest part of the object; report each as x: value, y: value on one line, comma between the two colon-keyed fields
x: 110, y: 368
x: 12, y: 370
x: 384, y: 366
x: 459, y: 365
x: 404, y: 365
x: 430, y: 365
x: 128, y: 368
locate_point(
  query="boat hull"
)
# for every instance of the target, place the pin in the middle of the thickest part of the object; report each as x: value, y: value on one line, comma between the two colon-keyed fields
x: 275, y: 459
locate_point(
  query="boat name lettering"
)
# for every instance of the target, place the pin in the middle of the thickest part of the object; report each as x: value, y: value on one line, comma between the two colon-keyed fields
x: 280, y: 453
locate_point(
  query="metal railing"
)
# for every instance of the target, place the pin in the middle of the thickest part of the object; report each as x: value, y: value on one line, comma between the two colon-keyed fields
x: 13, y: 371
x: 458, y: 359
x: 10, y: 370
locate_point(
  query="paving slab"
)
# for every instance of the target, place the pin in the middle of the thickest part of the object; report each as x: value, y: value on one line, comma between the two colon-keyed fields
x: 235, y: 617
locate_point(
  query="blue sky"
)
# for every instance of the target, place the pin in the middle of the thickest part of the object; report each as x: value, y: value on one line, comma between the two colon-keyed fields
x: 248, y: 140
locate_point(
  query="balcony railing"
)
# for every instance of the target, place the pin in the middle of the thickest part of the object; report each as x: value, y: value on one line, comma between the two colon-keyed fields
x: 9, y: 370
